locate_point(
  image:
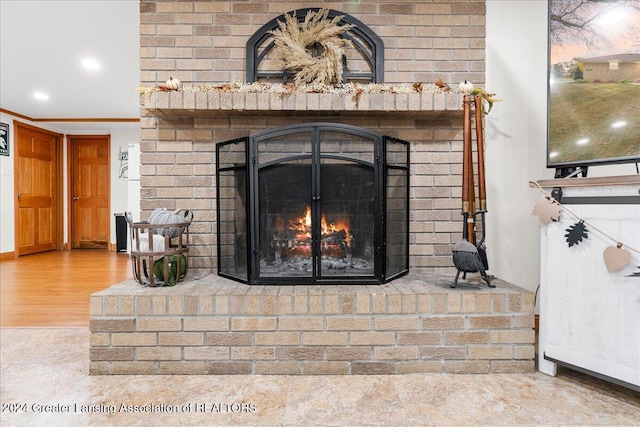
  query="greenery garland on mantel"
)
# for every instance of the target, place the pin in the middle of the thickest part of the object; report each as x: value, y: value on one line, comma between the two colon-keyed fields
x: 352, y: 89
x: 262, y: 87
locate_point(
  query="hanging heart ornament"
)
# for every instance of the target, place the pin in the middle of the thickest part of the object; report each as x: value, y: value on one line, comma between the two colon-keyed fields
x: 616, y: 258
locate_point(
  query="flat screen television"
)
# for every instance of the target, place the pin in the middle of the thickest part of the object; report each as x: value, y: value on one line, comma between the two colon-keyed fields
x: 594, y: 84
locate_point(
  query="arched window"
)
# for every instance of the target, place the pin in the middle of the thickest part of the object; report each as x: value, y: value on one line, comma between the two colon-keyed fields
x: 364, y: 64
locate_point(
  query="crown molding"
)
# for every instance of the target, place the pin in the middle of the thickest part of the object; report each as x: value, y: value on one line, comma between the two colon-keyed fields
x: 72, y: 119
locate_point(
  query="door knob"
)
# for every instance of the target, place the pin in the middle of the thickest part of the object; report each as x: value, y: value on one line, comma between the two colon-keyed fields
x: 19, y: 196
x: 76, y: 198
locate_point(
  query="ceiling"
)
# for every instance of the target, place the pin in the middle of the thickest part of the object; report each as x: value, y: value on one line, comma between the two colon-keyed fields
x: 42, y: 46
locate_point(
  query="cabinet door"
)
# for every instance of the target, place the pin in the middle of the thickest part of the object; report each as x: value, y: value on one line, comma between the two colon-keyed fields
x: 590, y: 317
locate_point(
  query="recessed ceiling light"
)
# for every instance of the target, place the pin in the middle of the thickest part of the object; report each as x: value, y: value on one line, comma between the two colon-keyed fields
x: 620, y: 124
x: 41, y: 96
x: 90, y: 64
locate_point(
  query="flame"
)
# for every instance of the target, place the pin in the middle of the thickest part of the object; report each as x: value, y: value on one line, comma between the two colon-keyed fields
x: 302, y: 226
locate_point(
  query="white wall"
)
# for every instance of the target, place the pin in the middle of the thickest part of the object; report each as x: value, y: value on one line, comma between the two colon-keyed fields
x: 516, y: 137
x: 133, y: 202
x: 119, y: 186
x: 7, y: 232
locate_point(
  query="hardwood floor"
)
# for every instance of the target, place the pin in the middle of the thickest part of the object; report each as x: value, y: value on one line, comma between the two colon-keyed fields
x: 53, y: 288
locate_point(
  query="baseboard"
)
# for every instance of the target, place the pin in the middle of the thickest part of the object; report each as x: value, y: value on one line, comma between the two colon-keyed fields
x: 6, y: 256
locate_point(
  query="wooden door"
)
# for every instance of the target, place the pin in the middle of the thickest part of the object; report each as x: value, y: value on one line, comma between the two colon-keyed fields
x: 90, y: 190
x: 37, y: 187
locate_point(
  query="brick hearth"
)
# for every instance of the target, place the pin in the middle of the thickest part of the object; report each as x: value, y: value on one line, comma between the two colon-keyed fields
x: 216, y: 326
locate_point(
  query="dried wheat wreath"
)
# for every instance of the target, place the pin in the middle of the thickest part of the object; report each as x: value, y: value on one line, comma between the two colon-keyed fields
x: 292, y: 41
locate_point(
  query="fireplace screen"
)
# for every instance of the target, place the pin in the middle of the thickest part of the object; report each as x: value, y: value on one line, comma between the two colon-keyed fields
x: 313, y: 203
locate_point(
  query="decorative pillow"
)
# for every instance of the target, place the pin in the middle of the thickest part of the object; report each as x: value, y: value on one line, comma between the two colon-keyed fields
x: 162, y: 216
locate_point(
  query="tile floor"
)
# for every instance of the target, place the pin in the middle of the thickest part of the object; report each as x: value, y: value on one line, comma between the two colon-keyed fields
x: 45, y: 370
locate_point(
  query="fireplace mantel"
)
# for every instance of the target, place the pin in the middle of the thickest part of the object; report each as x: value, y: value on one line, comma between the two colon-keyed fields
x: 229, y: 104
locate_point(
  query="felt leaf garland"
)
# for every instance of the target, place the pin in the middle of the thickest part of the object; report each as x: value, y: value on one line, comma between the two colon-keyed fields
x: 547, y: 209
x: 576, y: 233
x: 616, y: 258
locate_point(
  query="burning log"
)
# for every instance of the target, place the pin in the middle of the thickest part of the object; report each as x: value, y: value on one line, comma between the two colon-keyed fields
x: 335, y: 237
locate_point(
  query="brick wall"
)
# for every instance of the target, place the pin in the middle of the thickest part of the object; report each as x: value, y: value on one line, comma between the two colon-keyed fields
x: 216, y: 326
x: 594, y: 71
x: 204, y: 42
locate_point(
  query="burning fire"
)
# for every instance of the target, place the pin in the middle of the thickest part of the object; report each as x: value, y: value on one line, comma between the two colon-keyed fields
x: 302, y: 226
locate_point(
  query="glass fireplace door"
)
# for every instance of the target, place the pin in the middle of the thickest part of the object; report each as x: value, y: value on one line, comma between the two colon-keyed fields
x: 283, y: 215
x: 346, y: 206
x: 321, y: 203
x: 231, y: 204
x: 315, y: 212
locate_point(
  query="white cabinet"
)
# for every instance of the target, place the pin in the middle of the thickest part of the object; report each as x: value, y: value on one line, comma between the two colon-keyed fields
x: 590, y: 317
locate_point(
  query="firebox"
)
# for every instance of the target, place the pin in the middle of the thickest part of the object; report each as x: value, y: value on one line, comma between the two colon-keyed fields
x: 314, y: 203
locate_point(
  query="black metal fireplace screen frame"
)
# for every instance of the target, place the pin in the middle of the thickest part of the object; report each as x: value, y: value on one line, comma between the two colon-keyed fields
x: 238, y: 165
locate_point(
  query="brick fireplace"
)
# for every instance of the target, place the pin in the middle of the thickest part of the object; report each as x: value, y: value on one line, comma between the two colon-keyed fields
x: 210, y: 324
x: 205, y: 42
